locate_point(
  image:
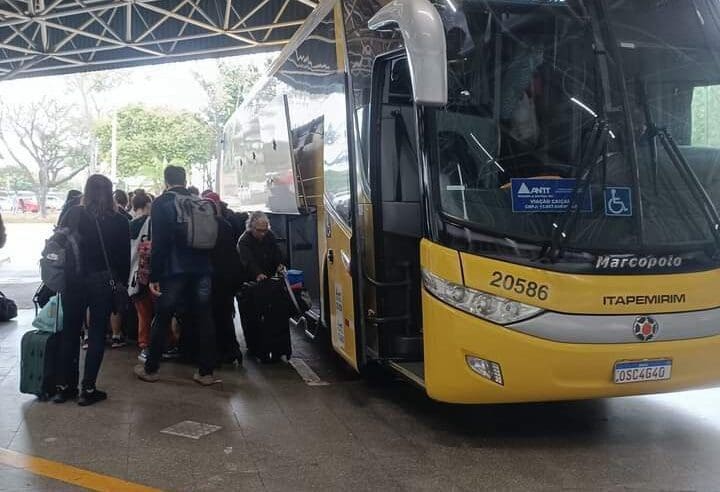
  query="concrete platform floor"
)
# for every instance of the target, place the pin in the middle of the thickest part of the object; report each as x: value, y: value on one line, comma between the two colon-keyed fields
x: 277, y: 433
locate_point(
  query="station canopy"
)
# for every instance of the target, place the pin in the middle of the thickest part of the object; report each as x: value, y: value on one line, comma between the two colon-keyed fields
x: 48, y: 37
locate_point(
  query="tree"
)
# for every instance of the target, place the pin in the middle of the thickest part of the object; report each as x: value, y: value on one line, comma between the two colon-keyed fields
x: 225, y: 92
x: 150, y: 138
x: 16, y: 178
x: 46, y: 140
x: 90, y: 87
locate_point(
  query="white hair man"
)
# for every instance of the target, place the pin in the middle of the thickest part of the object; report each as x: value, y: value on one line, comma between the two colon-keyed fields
x: 258, y: 249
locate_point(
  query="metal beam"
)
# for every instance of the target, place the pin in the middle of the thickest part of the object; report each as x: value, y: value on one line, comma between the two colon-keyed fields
x: 190, y: 54
x: 128, y: 22
x: 98, y: 19
x: 228, y: 9
x: 251, y: 13
x: 198, y: 23
x: 58, y: 14
x: 97, y: 43
x: 23, y: 67
x: 80, y: 32
x: 47, y: 36
x: 277, y: 18
x: 177, y: 39
x: 161, y: 21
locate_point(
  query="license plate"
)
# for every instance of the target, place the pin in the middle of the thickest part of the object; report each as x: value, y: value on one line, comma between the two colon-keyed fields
x: 637, y: 371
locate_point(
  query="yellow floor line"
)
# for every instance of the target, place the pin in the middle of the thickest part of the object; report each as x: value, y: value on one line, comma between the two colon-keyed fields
x: 68, y: 474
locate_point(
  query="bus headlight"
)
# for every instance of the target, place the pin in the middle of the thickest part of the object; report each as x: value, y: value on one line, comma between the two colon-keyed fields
x: 487, y: 306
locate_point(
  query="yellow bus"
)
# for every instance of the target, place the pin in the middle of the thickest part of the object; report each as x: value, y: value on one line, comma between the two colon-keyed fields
x: 503, y: 200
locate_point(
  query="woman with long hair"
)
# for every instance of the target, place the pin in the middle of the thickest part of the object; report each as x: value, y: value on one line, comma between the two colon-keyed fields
x: 104, y: 239
x: 72, y: 199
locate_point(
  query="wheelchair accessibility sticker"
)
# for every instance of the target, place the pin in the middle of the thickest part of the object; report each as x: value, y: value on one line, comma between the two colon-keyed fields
x: 546, y: 195
x: 618, y: 201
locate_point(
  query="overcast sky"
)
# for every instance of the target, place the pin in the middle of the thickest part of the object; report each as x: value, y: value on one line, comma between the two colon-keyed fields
x: 171, y: 85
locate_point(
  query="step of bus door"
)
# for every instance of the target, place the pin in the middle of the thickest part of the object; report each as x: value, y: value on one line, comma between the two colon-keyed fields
x: 413, y: 371
x: 407, y: 347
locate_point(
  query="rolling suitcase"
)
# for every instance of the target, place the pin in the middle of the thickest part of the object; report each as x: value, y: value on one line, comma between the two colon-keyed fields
x: 269, y: 330
x: 38, y: 352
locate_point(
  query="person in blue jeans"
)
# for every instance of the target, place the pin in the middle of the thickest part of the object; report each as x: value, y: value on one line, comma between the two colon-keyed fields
x: 180, y: 276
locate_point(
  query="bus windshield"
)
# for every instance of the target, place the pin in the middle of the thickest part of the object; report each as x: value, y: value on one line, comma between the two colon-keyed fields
x: 555, y: 101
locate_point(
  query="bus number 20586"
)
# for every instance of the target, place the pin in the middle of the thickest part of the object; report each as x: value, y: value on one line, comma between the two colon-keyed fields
x: 520, y: 285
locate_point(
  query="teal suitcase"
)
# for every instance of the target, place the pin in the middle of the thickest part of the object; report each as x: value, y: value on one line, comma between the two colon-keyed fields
x: 38, y: 357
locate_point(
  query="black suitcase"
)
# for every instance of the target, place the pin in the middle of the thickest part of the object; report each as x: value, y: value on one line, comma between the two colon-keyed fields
x: 268, y: 333
x: 38, y: 356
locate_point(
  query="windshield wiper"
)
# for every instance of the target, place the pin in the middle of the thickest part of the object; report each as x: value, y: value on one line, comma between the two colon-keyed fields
x: 686, y: 172
x: 563, y: 227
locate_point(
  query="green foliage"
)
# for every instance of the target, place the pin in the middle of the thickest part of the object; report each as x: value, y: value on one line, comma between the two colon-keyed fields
x: 16, y: 178
x: 227, y: 91
x: 150, y: 138
x: 705, y: 116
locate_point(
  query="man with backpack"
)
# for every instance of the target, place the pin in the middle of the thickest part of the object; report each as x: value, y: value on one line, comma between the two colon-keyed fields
x: 184, y: 232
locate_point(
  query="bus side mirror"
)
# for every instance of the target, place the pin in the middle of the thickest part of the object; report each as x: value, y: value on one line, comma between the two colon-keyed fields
x: 424, y: 37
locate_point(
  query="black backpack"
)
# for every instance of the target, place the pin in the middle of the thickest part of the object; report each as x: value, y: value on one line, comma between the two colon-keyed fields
x: 8, y: 308
x: 60, y: 259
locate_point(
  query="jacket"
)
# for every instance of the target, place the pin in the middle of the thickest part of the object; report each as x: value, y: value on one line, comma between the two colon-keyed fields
x: 259, y: 256
x: 171, y: 256
x: 116, y: 236
x: 227, y: 268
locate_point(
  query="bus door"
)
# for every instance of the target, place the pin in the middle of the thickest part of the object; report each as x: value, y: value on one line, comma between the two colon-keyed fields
x: 397, y: 213
x: 339, y: 286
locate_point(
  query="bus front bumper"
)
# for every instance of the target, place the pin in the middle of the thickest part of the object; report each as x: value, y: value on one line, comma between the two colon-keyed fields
x: 534, y: 369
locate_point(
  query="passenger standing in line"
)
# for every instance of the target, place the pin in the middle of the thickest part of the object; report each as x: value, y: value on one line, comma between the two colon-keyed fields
x: 129, y: 207
x: 103, y: 233
x: 122, y: 200
x: 116, y: 319
x: 179, y: 275
x: 144, y: 301
x: 226, y: 275
x: 72, y: 199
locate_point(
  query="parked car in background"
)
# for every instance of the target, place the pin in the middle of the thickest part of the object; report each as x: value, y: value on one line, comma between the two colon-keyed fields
x: 54, y: 202
x: 26, y: 201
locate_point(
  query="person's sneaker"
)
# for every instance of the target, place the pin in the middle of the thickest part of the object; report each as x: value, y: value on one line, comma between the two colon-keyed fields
x: 145, y: 376
x: 64, y: 394
x: 206, y: 380
x: 142, y: 357
x: 117, y: 342
x: 90, y: 396
x: 172, y: 354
